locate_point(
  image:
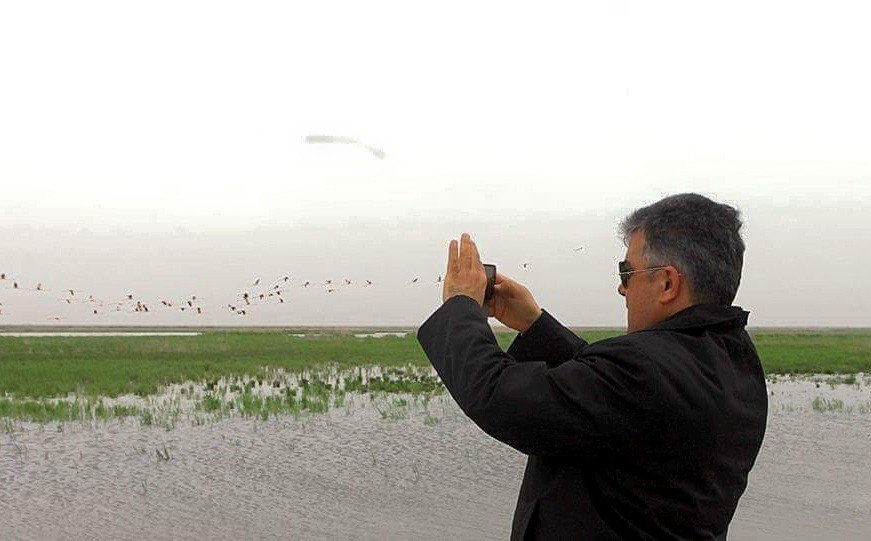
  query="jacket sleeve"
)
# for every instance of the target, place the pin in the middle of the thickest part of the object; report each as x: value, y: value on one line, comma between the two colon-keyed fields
x: 546, y: 340
x: 594, y: 404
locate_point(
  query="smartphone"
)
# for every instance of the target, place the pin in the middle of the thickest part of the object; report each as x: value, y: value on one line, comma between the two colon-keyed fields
x: 490, y: 271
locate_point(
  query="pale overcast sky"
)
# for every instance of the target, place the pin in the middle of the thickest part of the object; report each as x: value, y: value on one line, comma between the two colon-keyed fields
x: 158, y: 149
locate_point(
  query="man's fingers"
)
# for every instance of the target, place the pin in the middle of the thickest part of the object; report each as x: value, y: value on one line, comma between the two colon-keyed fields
x: 452, y: 257
x: 469, y: 257
x: 476, y: 257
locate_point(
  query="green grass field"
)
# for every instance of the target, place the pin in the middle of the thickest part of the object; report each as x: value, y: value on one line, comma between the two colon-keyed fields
x: 39, y: 367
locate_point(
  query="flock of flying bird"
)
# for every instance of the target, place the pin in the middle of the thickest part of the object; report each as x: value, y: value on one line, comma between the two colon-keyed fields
x: 256, y: 293
x: 241, y: 305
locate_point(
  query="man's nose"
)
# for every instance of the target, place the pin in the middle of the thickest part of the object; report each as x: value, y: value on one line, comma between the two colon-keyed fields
x: 621, y: 290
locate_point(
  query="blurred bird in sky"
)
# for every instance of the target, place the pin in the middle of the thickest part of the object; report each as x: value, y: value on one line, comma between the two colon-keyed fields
x: 341, y: 139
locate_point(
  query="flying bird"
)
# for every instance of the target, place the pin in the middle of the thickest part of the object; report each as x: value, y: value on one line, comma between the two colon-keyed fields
x: 378, y: 153
x: 256, y: 282
x: 578, y: 248
x: 416, y: 278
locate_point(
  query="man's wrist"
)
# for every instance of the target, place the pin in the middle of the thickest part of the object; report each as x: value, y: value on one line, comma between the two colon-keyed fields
x: 524, y: 331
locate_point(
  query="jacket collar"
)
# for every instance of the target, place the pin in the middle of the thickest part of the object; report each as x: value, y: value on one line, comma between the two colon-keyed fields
x: 703, y: 315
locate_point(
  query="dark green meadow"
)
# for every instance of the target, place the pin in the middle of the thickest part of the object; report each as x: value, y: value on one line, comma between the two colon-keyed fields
x: 39, y: 367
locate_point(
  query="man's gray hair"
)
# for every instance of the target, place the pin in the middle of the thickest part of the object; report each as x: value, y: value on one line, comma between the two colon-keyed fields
x: 698, y: 236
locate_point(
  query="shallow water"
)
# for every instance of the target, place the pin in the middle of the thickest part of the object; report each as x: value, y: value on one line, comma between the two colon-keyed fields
x: 43, y: 334
x: 382, y: 334
x: 352, y: 473
x: 358, y: 335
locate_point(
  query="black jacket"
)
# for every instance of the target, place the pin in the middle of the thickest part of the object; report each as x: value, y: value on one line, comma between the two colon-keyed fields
x: 647, y: 435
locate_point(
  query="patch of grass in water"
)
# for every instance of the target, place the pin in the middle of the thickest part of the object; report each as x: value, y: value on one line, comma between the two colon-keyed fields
x: 822, y: 405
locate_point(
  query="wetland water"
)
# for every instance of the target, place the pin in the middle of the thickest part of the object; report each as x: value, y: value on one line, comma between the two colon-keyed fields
x: 62, y: 333
x: 389, y: 466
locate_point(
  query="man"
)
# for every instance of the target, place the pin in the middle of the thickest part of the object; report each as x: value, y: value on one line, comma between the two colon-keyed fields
x: 647, y: 435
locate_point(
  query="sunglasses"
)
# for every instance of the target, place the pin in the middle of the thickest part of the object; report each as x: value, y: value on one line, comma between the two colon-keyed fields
x: 625, y: 271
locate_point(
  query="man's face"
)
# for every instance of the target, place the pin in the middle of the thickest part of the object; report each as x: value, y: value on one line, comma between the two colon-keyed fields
x: 640, y: 293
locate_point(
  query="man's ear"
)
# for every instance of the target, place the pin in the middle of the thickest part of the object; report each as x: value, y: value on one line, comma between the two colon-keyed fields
x: 669, y: 285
